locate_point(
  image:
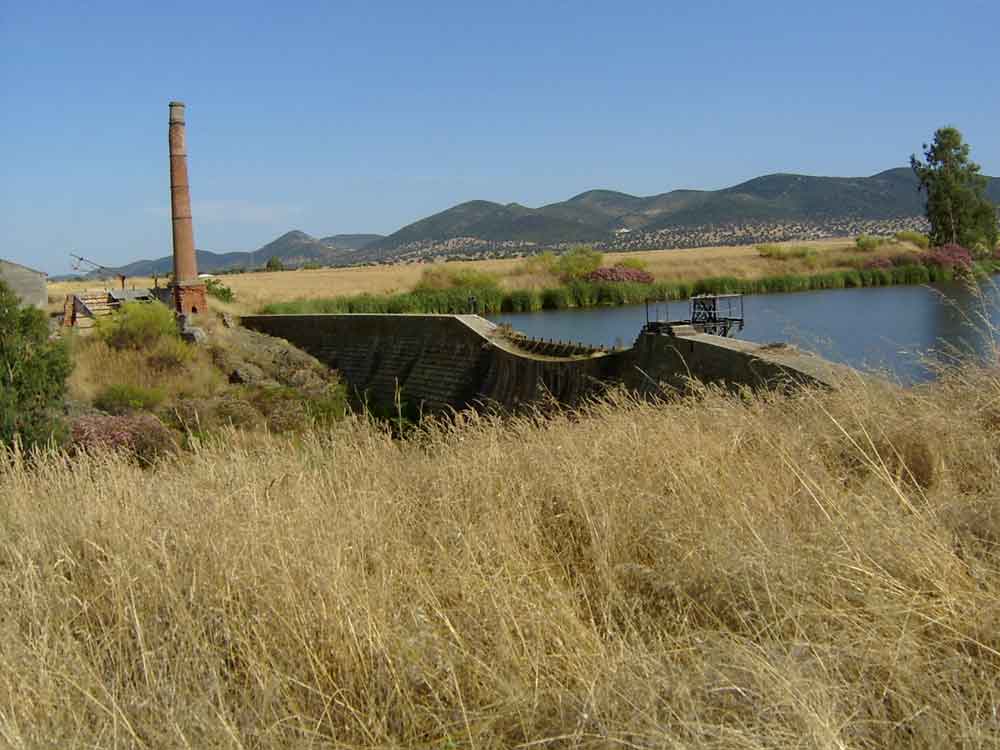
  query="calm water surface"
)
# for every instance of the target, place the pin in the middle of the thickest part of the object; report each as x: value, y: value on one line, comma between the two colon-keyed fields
x: 885, y: 328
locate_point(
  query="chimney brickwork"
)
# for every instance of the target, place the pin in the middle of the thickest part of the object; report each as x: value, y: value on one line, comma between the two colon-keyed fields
x: 188, y: 292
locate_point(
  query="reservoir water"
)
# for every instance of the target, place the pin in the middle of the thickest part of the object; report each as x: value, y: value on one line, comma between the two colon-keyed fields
x: 893, y: 329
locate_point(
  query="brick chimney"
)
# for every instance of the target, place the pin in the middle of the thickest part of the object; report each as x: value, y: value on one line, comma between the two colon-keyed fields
x: 188, y: 292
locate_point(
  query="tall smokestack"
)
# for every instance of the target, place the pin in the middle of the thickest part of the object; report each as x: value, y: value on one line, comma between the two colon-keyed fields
x: 189, y: 294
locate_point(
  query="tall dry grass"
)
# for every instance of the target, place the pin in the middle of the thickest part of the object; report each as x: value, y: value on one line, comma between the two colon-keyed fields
x: 725, y: 571
x: 180, y: 370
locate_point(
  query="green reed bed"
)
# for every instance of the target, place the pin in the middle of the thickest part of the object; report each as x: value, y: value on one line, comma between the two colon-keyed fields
x: 491, y: 299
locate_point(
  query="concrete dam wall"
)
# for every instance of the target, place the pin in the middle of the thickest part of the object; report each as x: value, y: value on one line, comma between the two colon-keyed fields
x: 435, y: 362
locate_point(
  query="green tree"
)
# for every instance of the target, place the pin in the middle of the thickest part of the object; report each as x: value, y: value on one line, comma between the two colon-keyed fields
x: 577, y: 262
x: 33, y: 373
x: 274, y: 264
x: 957, y: 206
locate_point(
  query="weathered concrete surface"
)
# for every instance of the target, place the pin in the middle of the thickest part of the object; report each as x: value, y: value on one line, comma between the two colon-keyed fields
x: 439, y: 361
x: 26, y: 283
x: 673, y: 360
x: 436, y: 361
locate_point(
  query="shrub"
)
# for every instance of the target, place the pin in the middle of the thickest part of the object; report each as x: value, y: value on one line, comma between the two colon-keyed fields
x: 637, y: 263
x: 619, y: 273
x: 142, y: 436
x: 914, y: 238
x: 577, y: 263
x: 867, y: 243
x: 327, y: 408
x: 33, y: 372
x: 980, y: 250
x: 274, y: 263
x: 125, y: 399
x: 138, y: 325
x: 949, y: 257
x: 199, y: 416
x: 440, y: 277
x: 170, y: 354
x: 220, y: 291
x: 237, y: 412
x: 543, y: 263
x: 283, y: 408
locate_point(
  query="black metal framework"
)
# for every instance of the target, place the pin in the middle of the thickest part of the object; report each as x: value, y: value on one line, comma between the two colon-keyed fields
x: 717, y: 314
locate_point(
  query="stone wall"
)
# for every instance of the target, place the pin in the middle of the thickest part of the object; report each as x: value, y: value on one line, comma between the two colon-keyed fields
x: 28, y: 284
x: 436, y: 362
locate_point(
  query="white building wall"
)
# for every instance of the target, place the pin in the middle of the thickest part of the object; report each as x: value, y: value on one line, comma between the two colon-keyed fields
x: 28, y: 284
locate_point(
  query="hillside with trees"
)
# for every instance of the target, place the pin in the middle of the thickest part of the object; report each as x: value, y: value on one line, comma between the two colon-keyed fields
x: 765, y: 209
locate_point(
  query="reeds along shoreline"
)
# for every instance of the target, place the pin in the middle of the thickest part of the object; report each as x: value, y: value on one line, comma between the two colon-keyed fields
x: 492, y: 299
x: 820, y: 570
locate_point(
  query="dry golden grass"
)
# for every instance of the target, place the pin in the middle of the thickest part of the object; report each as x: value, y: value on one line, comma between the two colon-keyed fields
x: 742, y: 262
x: 745, y: 572
x: 253, y: 290
x: 97, y: 366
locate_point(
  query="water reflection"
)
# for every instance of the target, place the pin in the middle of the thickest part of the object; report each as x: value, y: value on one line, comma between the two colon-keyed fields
x: 887, y: 328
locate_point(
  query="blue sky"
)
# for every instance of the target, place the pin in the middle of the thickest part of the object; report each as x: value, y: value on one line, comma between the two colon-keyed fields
x: 336, y: 117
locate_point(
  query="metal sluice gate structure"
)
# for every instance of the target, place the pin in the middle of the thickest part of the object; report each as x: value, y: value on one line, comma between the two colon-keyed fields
x: 717, y: 314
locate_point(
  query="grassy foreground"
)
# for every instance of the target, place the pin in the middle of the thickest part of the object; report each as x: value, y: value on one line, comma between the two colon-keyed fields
x: 756, y: 571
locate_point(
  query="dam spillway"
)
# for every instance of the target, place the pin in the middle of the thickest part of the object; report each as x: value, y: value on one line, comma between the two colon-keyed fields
x: 440, y: 362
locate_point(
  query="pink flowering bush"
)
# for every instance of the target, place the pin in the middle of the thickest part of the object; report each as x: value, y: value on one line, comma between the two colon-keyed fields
x: 620, y: 273
x: 950, y: 256
x: 143, y: 436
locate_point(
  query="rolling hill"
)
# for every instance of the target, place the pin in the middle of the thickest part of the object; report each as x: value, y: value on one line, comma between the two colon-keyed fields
x: 293, y: 248
x: 593, y: 215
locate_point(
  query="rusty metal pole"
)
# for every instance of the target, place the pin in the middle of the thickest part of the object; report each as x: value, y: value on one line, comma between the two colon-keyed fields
x: 189, y: 294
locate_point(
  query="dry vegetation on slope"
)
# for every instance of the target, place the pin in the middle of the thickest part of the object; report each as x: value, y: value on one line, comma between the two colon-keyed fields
x: 755, y: 571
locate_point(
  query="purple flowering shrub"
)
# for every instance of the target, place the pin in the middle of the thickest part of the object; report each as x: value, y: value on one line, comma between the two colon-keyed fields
x: 950, y: 256
x: 620, y: 273
x: 143, y: 436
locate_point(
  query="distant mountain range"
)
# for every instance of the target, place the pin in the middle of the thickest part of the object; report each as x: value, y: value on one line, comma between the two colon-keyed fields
x: 593, y: 215
x: 293, y: 248
x: 598, y: 216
